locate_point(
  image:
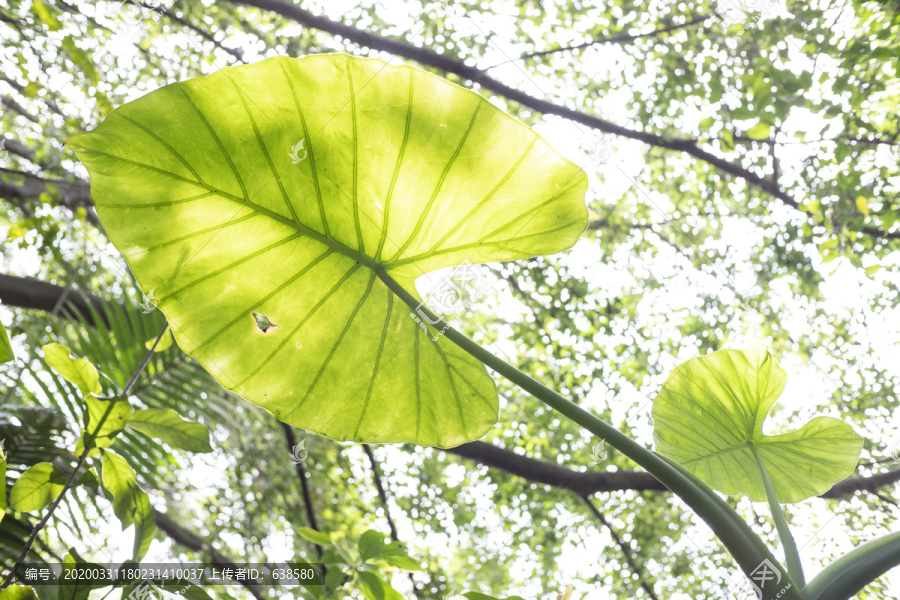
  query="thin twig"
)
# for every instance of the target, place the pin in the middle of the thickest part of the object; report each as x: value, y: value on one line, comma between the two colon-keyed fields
x: 619, y: 39
x: 382, y: 495
x: 301, y: 474
x: 624, y: 547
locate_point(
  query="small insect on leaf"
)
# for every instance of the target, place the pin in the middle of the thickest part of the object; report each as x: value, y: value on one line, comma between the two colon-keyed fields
x: 263, y: 323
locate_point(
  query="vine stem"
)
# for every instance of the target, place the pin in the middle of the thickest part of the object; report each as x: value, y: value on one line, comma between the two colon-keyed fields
x: 748, y: 550
x: 791, y: 554
x: 81, y: 458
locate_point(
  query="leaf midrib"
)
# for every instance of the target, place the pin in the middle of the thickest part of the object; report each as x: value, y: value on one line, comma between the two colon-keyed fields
x: 330, y: 242
x: 747, y: 444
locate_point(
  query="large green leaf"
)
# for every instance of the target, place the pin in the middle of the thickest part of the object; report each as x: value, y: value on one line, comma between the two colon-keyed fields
x: 709, y: 417
x: 265, y: 207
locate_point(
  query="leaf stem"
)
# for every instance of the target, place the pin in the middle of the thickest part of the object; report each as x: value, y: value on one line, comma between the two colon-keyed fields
x: 746, y: 547
x: 791, y: 554
x: 81, y: 458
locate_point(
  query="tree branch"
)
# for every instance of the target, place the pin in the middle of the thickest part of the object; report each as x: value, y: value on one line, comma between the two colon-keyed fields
x: 19, y: 88
x: 382, y: 495
x: 15, y: 106
x: 620, y: 39
x: 72, y: 194
x: 237, y: 54
x: 32, y: 293
x: 194, y: 542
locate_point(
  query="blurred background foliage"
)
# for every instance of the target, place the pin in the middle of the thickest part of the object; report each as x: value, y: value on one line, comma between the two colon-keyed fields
x: 750, y: 193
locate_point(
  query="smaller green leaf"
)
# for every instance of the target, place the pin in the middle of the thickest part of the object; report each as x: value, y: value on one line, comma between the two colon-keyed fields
x: 6, y: 351
x: 79, y: 590
x: 480, y: 596
x: 2, y: 482
x: 873, y: 269
x: 335, y: 578
x: 742, y: 113
x: 79, y: 371
x: 375, y: 588
x: 371, y: 586
x: 102, y: 428
x: 370, y: 544
x: 18, y: 592
x: 168, y: 426
x: 130, y: 503
x: 37, y: 487
x: 709, y: 418
x: 164, y: 343
x: 862, y: 205
x: 759, y: 132
x: 396, y: 557
x: 332, y: 557
x: 727, y: 141
x: 316, y: 537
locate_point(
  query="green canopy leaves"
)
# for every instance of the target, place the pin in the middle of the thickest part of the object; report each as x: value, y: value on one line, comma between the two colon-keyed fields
x: 287, y: 193
x: 709, y: 417
x: 6, y: 351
